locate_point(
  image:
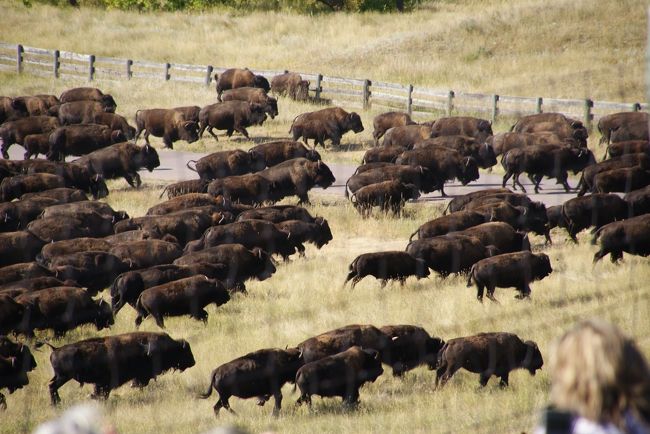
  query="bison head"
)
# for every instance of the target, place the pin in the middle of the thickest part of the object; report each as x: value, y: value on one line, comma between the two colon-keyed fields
x: 323, y: 175
x: 150, y: 158
x: 542, y: 266
x: 324, y: 234
x: 264, y: 265
x: 312, y: 155
x: 220, y: 295
x: 487, y: 157
x: 188, y: 131
x: 353, y: 122
x: 261, y: 82
x: 409, y: 191
x: 371, y: 365
x: 301, y: 92
x: 257, y: 160
x: 271, y: 107
x: 432, y: 347
x: 98, y: 187
x: 258, y: 114
x: 103, y: 316
x: 118, y: 136
x: 108, y: 103
x: 532, y: 359
x: 469, y: 171
x: 421, y: 268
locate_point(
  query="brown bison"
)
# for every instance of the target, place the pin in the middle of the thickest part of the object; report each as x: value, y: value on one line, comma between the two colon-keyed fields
x: 15, y: 362
x: 169, y: 124
x: 81, y: 140
x: 612, y: 122
x: 113, y: 121
x: 230, y: 116
x: 621, y: 180
x: 442, y: 225
x: 297, y: 177
x: 628, y: 147
x: 342, y: 375
x: 253, y: 95
x: 12, y: 109
x: 596, y: 210
x: 317, y: 233
x: 76, y: 112
x: 234, y: 78
x: 330, y: 123
x: 180, y: 297
x: 419, y: 176
x: 35, y: 144
x: 248, y: 189
x: 488, y: 354
x: 631, y: 236
x: 386, y: 121
x: 410, y: 346
x: 516, y: 269
x: 406, y: 136
x: 277, y: 214
x: 190, y: 200
x: 279, y: 151
x: 385, y: 154
x: 480, y: 129
x: 16, y: 186
x: 111, y: 361
x: 466, y: 146
x: 636, y: 130
x: 387, y: 195
x: 586, y: 183
x: 180, y: 188
x: 452, y: 253
x: 88, y: 94
x: 15, y: 131
x: 228, y: 163
x: 259, y: 374
x: 292, y: 85
x: 386, y: 266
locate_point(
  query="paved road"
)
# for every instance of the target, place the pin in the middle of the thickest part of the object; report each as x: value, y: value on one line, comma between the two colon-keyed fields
x: 173, y: 168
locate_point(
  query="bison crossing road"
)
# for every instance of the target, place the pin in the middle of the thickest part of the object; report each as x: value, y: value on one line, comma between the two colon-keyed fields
x: 173, y: 168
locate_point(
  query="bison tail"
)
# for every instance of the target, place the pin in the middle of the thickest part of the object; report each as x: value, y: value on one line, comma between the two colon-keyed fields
x: 347, y: 191
x: 189, y: 167
x: 594, y: 240
x: 470, y: 276
x: 412, y: 235
x: 208, y: 392
x: 39, y: 344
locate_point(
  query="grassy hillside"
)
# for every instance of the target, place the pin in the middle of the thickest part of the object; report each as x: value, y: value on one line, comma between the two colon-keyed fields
x: 556, y: 48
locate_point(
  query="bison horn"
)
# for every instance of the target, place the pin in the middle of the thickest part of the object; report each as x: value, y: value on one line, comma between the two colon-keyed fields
x: 221, y: 219
x: 288, y: 235
x: 6, y: 218
x: 467, y: 163
x: 259, y: 253
x: 421, y: 170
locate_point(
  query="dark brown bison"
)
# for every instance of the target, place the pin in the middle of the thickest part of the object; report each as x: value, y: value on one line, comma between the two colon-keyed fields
x: 32, y: 284
x: 253, y: 95
x: 76, y: 112
x: 16, y: 360
x: 146, y: 253
x: 500, y: 235
x: 385, y: 154
x: 595, y: 210
x: 111, y: 361
x: 228, y: 163
x: 85, y: 207
x: 555, y: 218
x: 545, y: 160
x: 419, y: 176
x: 516, y: 269
x: 169, y: 124
x: 12, y: 109
x: 242, y: 264
x: 340, y: 339
x: 11, y: 315
x: 342, y: 375
x: 612, y: 122
x: 230, y: 116
x: 480, y: 129
x: 113, y: 121
x: 586, y: 183
x: 74, y: 245
x: 122, y: 160
x: 34, y: 105
x: 444, y: 164
x: 89, y: 94
x: 452, y: 253
x: 235, y: 77
x: 503, y: 142
x: 621, y: 180
x: 297, y: 177
x: 466, y: 146
x: 330, y: 123
x: 15, y: 131
x: 488, y: 354
x: 386, y: 121
x: 387, y: 195
x: 176, y: 189
x: 259, y: 374
x: 277, y: 214
x: 292, y: 85
x: 370, y: 166
x: 21, y: 271
x: 623, y: 148
x: 250, y: 234
x: 180, y: 297
x: 16, y: 186
x: 638, y: 201
x: 449, y: 223
x: 636, y: 130
x: 410, y: 346
x: 279, y: 151
x: 190, y: 200
x: 459, y: 202
x: 35, y: 144
x: 386, y: 266
x: 630, y: 236
x: 406, y: 136
x: 248, y: 189
x: 82, y: 225
x: 61, y: 195
x: 81, y: 140
x: 317, y: 233
x: 18, y: 214
x: 190, y: 112
x: 526, y: 122
x: 62, y: 309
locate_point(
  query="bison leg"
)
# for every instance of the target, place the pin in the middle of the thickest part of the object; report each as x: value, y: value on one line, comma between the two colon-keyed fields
x: 160, y: 322
x: 443, y: 375
x: 524, y: 292
x: 490, y: 293
x: 261, y: 400
x: 212, y: 133
x: 243, y: 131
x: 506, y: 177
x: 516, y: 181
x: 484, y: 377
x: 383, y: 283
x: 146, y: 136
x: 3, y: 402
x: 600, y: 254
x: 442, y: 190
x: 304, y: 399
x: 101, y: 392
x: 504, y: 380
x: 167, y: 141
x: 201, y: 315
x: 356, y: 280
x: 479, y: 291
x: 55, y: 383
x: 351, y: 399
x: 278, y: 403
x: 350, y: 275
x: 133, y: 179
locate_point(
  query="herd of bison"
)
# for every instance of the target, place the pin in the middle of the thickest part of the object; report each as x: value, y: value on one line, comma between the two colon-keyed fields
x: 58, y: 249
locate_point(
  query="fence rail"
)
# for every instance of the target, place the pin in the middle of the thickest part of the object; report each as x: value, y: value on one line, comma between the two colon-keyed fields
x: 359, y: 92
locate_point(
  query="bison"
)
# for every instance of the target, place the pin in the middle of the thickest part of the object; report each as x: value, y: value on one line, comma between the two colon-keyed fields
x: 169, y: 124
x: 596, y: 210
x: 386, y: 121
x: 253, y: 95
x: 230, y: 116
x: 410, y: 346
x: 330, y: 123
x: 81, y: 140
x: 631, y: 236
x: 406, y: 136
x: 516, y: 269
x: 387, y: 195
x: 16, y: 361
x: 76, y: 112
x: 279, y: 151
x: 292, y: 85
x: 234, y: 78
x: 452, y: 253
x: 228, y: 163
x: 297, y: 177
x: 480, y: 129
x: 16, y: 186
x: 612, y: 122
x: 488, y: 354
x: 88, y: 94
x: 386, y: 266
x: 16, y: 131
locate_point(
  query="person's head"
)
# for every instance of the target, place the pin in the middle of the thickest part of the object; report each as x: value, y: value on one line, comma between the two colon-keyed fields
x: 599, y: 373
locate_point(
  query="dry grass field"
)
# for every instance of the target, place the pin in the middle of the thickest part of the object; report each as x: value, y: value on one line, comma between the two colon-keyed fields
x: 522, y: 47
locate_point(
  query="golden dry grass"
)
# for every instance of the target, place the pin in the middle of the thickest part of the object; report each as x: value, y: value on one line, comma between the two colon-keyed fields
x: 519, y: 47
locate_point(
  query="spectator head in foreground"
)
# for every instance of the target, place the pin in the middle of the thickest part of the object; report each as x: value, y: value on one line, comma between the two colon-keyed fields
x: 600, y: 382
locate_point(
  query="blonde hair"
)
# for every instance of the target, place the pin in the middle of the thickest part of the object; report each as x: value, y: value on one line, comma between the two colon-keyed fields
x: 598, y: 373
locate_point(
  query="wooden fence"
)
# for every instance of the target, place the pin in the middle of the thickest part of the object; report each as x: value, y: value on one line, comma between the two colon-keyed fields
x: 361, y: 93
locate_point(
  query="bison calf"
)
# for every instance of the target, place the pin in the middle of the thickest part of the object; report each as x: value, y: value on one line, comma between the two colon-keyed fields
x: 387, y: 195
x: 386, y: 266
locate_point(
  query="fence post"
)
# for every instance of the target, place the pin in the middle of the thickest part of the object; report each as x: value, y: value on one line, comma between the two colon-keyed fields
x: 636, y: 107
x: 495, y: 108
x: 129, y: 72
x: 208, y: 75
x: 91, y: 67
x: 366, y: 94
x: 56, y: 63
x: 538, y: 106
x: 167, y: 67
x: 588, y: 115
x: 409, y: 100
x: 450, y: 102
x: 318, y: 89
x: 19, y: 58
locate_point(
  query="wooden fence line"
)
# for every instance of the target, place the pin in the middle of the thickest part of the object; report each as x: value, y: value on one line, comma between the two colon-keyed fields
x: 361, y: 92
